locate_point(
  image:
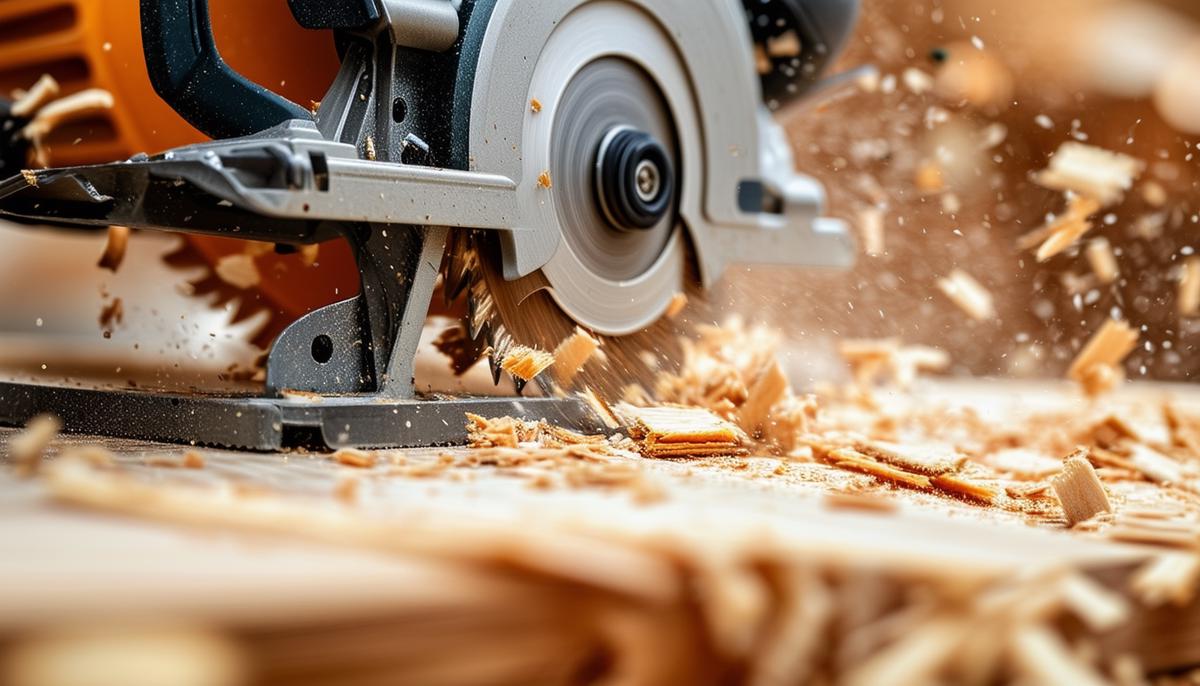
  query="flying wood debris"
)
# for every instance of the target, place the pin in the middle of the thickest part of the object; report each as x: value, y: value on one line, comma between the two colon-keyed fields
x: 114, y: 248
x: 1103, y: 262
x: 874, y: 360
x: 1188, y: 299
x: 570, y: 356
x: 27, y: 448
x: 970, y: 296
x: 1090, y: 171
x: 350, y: 457
x: 1079, y: 489
x: 1096, y: 366
x: 525, y: 363
x: 1061, y: 233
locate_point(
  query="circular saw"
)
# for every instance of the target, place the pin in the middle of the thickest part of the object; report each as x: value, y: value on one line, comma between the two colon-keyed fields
x: 568, y: 164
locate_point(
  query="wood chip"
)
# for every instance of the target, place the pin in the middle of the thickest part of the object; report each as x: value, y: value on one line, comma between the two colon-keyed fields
x: 1100, y: 609
x: 30, y: 177
x: 849, y: 500
x: 27, y: 448
x: 1102, y: 260
x: 871, y: 228
x: 968, y: 294
x: 369, y: 149
x: 1045, y: 658
x: 1079, y: 489
x: 770, y: 386
x: 112, y: 314
x: 571, y: 354
x: 43, y: 91
x: 238, y: 270
x: 1187, y: 301
x: 847, y: 458
x: 75, y: 106
x: 1090, y: 171
x: 967, y: 488
x: 1168, y: 578
x: 544, y: 180
x: 1104, y: 351
x: 675, y: 308
x: 930, y: 459
x: 114, y: 248
x: 193, y: 460
x: 786, y: 44
x: 526, y: 363
x: 681, y: 431
x: 309, y: 253
x: 1066, y: 230
x: 601, y: 408
x: 535, y: 105
x: 1157, y: 467
x: 351, y: 457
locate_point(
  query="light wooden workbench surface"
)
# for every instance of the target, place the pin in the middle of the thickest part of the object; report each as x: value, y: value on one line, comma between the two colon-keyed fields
x: 64, y: 564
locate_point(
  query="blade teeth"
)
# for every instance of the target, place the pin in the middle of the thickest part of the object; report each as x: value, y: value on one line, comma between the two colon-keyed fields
x: 519, y: 383
x: 494, y: 364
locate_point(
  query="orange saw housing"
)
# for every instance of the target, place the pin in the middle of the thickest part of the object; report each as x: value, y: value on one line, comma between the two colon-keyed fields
x: 98, y: 44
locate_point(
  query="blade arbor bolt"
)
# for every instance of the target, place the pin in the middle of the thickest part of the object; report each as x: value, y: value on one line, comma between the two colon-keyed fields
x: 635, y: 184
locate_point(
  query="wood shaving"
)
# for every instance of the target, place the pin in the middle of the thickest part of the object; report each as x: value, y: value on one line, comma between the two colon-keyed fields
x: 350, y: 457
x: 928, y: 458
x: 679, y: 301
x: 526, y: 363
x: 1090, y: 171
x: 970, y: 296
x: 571, y: 354
x: 1100, y: 609
x: 871, y: 228
x: 1103, y: 262
x: 769, y: 388
x: 786, y: 44
x: 1045, y: 658
x: 27, y: 448
x: 75, y: 106
x: 43, y: 91
x: 1066, y: 230
x: 1157, y: 467
x: 238, y: 270
x: 681, y: 431
x: 849, y: 500
x: 114, y: 248
x: 1168, y: 578
x: 847, y: 458
x: 966, y: 488
x: 1095, y: 367
x: 875, y: 360
x: 1187, y: 301
x: 1079, y: 489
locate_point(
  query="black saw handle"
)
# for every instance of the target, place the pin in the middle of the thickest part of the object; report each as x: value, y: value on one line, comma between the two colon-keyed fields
x: 188, y: 73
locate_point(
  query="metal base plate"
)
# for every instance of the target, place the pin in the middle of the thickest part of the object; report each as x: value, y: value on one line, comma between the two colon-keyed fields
x: 269, y: 424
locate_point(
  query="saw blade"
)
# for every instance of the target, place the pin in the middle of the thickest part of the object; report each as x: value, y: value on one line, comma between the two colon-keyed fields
x: 505, y: 314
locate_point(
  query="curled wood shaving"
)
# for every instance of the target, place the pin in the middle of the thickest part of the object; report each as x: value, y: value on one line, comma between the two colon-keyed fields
x: 968, y: 294
x: 1097, y: 362
x: 1079, y: 489
x: 74, y: 106
x: 1090, y: 171
x: 114, y: 248
x: 43, y: 91
x: 27, y: 448
x: 526, y: 363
